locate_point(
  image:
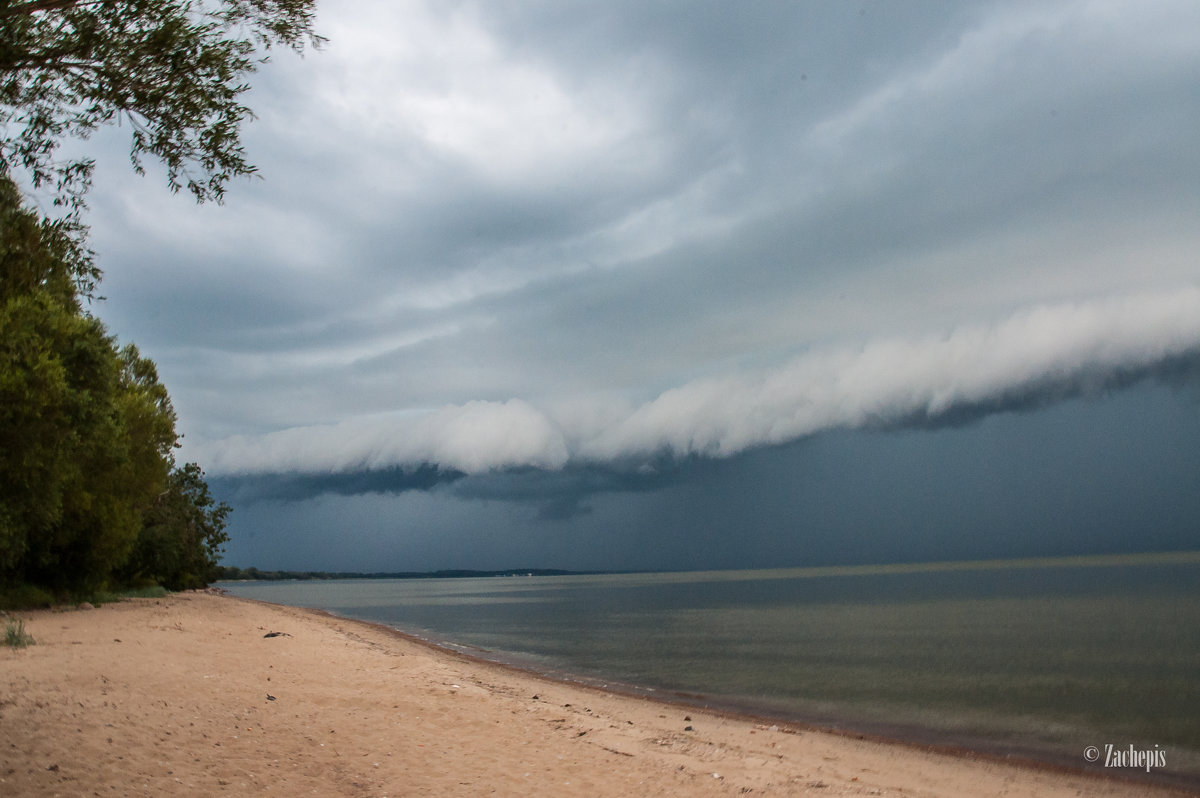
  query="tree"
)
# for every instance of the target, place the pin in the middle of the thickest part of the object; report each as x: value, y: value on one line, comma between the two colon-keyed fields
x: 180, y: 542
x: 88, y: 485
x: 89, y: 493
x: 173, y: 70
x: 87, y: 431
x: 40, y: 320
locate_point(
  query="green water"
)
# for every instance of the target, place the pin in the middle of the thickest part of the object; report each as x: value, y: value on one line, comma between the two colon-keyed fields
x: 1042, y: 657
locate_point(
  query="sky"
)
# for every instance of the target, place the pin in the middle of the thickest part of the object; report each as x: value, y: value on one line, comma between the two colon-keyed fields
x: 709, y: 285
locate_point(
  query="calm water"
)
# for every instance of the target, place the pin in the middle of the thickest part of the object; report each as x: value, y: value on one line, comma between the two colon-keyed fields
x: 1035, y: 656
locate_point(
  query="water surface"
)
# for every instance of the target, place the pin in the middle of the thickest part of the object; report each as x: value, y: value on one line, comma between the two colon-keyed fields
x: 1042, y: 657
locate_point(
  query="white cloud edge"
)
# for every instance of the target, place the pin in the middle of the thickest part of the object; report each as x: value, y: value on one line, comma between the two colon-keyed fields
x: 884, y: 380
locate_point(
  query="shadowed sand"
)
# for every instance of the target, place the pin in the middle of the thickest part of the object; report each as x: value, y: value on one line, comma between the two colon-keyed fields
x: 187, y: 696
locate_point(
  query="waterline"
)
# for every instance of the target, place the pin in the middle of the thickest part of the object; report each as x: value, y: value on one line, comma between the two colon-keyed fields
x: 1039, y: 655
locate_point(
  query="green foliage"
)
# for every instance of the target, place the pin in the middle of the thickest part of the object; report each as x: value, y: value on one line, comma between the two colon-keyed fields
x: 24, y: 596
x: 86, y: 430
x: 41, y: 253
x: 150, y: 591
x: 181, y: 540
x: 173, y: 71
x: 15, y: 635
x: 89, y: 492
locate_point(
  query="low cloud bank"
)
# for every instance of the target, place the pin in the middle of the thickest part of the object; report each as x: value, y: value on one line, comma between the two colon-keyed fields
x: 1032, y: 358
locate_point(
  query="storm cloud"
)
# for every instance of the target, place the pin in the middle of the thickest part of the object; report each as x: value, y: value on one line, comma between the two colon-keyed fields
x: 1027, y: 360
x: 559, y: 262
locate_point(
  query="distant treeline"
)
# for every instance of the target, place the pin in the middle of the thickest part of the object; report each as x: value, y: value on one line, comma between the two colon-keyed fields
x: 229, y: 573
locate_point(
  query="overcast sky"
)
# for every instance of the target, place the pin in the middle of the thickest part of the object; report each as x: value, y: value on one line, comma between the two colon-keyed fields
x: 621, y: 285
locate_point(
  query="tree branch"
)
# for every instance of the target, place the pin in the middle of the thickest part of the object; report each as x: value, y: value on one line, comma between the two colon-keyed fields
x: 33, y: 6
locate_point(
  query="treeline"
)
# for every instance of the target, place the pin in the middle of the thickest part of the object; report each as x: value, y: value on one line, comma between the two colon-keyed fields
x: 228, y: 573
x: 91, y: 498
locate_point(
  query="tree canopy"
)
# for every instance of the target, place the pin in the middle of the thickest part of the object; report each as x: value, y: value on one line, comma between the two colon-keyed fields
x: 181, y: 537
x: 90, y: 494
x: 174, y: 71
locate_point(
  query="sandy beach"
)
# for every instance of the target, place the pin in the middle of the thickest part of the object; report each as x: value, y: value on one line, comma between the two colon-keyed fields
x: 193, y: 695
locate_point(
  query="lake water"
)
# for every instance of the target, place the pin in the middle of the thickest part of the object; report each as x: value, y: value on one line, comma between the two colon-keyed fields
x: 1036, y: 657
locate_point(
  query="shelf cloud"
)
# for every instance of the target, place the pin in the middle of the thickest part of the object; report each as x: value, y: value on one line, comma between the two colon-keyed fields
x: 596, y: 278
x: 1030, y: 359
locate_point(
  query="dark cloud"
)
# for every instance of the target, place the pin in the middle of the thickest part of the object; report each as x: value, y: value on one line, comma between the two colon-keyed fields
x: 1180, y: 371
x: 299, y: 487
x: 1031, y: 358
x: 566, y: 494
x: 1108, y: 473
x: 545, y: 244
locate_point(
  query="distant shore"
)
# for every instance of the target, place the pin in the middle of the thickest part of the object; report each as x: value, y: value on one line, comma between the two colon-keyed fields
x: 193, y: 695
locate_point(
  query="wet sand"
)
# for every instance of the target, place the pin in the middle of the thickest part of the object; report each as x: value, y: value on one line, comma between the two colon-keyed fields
x: 187, y: 695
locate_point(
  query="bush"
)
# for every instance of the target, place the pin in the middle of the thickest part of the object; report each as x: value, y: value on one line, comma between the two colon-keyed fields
x: 15, y: 635
x: 152, y: 591
x: 25, y: 597
x: 181, y: 537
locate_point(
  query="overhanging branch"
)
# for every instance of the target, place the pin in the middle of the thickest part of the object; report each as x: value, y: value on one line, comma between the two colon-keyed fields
x: 33, y: 6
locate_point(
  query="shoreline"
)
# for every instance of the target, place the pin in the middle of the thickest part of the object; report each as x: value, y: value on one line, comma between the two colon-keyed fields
x: 193, y: 695
x: 915, y: 737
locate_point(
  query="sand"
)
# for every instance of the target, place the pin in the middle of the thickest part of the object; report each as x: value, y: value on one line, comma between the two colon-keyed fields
x: 186, y: 695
